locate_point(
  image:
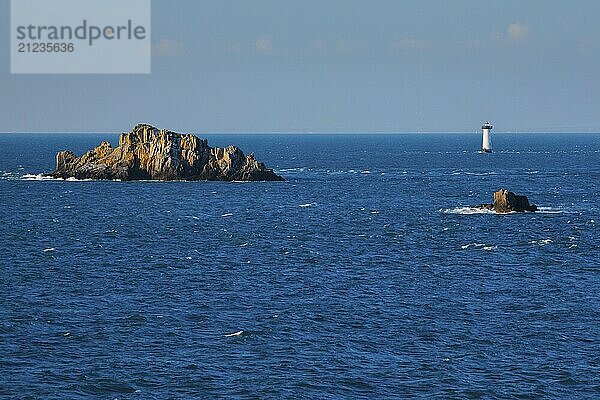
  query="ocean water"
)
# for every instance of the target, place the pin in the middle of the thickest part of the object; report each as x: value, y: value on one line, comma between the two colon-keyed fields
x: 365, y: 275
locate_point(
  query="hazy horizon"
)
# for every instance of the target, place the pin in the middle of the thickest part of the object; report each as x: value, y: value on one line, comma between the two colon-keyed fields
x: 341, y: 133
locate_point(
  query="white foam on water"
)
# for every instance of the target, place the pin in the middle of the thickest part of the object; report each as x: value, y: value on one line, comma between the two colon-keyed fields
x: 71, y: 179
x: 42, y: 177
x: 9, y: 176
x: 466, y: 211
x: 476, y: 210
x: 49, y: 249
x: 463, y: 172
x: 227, y: 215
x: 479, y: 246
x: 239, y: 333
x: 542, y: 242
x: 475, y: 245
x: 297, y: 169
x: 307, y: 205
x: 549, y: 210
x: 481, y: 173
x: 39, y: 177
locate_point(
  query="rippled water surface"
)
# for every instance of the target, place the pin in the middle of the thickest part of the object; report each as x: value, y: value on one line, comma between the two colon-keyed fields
x: 365, y: 274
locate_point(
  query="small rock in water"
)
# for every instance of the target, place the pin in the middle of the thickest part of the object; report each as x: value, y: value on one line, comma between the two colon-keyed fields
x: 506, y: 201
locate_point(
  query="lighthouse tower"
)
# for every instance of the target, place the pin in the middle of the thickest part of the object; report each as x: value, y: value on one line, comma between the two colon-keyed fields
x: 487, y: 130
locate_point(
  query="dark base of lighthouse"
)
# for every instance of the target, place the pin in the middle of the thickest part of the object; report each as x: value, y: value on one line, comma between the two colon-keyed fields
x: 486, y: 150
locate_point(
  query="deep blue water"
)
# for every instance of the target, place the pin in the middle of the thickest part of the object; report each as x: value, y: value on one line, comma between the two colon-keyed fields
x: 361, y: 276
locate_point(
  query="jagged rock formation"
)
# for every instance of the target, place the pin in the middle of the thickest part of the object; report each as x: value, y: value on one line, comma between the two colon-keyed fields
x: 506, y: 201
x: 148, y: 153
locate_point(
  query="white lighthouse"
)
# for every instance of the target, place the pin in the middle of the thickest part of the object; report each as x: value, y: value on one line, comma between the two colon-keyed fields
x: 487, y: 130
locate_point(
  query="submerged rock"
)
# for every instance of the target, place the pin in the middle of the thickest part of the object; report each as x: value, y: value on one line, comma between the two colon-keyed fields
x: 506, y: 201
x: 147, y: 153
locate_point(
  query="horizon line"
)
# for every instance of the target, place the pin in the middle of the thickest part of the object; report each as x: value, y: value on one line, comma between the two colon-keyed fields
x: 416, y: 132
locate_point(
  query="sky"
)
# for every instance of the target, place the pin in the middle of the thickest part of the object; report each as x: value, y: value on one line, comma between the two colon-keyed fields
x: 334, y: 66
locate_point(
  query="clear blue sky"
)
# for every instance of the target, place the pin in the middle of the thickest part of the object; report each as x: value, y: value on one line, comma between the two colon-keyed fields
x: 334, y: 66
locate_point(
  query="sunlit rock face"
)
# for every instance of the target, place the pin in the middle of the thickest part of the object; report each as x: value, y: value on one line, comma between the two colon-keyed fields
x: 147, y: 153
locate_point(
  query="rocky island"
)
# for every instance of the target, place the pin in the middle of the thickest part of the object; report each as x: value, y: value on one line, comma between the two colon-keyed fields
x: 506, y: 201
x: 147, y: 153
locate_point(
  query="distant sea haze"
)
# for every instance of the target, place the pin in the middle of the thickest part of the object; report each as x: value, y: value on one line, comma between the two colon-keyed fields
x: 368, y: 273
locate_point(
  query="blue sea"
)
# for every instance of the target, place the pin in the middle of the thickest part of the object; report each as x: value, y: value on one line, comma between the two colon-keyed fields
x: 365, y: 275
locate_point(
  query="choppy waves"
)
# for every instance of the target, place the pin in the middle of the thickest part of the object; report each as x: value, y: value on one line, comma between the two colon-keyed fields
x: 376, y: 284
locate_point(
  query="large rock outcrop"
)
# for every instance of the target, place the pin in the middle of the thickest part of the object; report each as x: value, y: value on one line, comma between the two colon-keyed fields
x: 147, y: 153
x: 506, y: 201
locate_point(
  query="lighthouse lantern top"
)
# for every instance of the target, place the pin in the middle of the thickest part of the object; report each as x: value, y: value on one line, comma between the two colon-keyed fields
x: 486, y: 125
